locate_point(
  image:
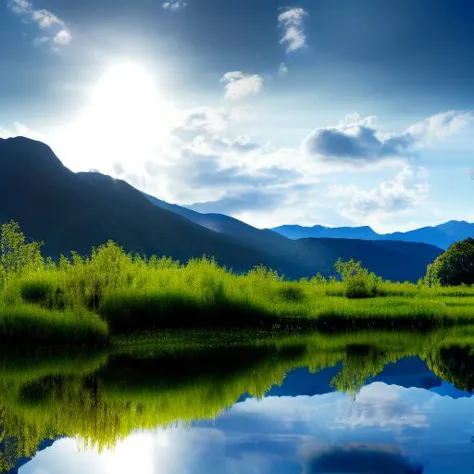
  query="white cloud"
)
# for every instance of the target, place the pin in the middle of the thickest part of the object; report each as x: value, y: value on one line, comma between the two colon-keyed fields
x: 210, y: 159
x: 382, y: 406
x: 407, y: 190
x: 360, y: 141
x: 53, y: 28
x: 45, y: 19
x: 442, y: 125
x: 20, y: 6
x: 240, y: 85
x: 175, y: 5
x: 292, y: 24
x: 63, y: 37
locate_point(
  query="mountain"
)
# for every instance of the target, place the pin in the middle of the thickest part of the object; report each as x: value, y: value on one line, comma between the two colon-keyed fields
x: 75, y: 211
x: 397, y: 261
x: 71, y: 211
x: 408, y: 372
x: 319, y: 231
x: 441, y: 236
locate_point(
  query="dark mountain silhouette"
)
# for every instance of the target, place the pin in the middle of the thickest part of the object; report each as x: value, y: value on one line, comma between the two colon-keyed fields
x: 392, y: 260
x: 71, y: 211
x: 75, y: 211
x: 401, y: 261
x: 441, y: 236
x: 319, y: 231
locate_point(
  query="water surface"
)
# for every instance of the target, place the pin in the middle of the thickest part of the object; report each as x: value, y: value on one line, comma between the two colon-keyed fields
x: 366, y: 403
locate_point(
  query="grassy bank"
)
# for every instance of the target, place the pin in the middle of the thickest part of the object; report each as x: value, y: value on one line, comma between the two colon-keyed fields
x: 86, y: 300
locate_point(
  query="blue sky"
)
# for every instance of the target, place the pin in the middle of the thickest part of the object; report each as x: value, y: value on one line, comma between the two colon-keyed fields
x: 314, y: 112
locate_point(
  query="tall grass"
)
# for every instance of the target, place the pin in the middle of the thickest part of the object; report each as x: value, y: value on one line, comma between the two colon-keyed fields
x: 130, y: 293
x: 30, y: 325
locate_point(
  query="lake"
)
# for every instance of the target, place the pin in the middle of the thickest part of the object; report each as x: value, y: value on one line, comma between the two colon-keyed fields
x: 349, y: 403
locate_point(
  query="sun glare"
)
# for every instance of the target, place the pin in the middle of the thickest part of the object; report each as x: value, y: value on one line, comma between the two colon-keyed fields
x: 125, y: 117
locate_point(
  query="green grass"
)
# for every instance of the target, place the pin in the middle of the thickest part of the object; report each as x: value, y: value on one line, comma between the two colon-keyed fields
x: 82, y: 300
x: 30, y: 325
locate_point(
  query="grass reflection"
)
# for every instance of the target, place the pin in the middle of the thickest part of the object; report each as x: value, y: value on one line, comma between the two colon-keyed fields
x: 102, y: 396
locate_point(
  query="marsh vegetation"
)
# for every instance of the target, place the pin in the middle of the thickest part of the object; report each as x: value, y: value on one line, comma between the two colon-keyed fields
x: 87, y: 300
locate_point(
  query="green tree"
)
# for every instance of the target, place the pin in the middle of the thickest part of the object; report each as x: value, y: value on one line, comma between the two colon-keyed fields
x: 16, y: 256
x: 360, y: 283
x: 454, y: 267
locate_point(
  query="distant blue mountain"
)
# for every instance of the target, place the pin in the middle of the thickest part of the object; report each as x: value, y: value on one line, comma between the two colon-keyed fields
x: 397, y: 261
x: 441, y: 236
x: 410, y: 372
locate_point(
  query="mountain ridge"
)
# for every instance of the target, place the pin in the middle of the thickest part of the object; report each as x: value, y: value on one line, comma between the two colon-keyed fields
x: 76, y: 211
x: 442, y: 235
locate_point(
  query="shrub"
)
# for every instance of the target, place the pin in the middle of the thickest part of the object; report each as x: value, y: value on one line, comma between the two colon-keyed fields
x: 454, y: 267
x: 359, y: 282
x: 17, y: 256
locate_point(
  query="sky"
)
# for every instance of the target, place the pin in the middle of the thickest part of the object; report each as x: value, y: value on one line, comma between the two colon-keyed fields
x: 330, y: 112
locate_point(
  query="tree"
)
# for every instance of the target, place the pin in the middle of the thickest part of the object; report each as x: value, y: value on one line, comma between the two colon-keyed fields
x: 16, y: 255
x: 360, y: 283
x: 454, y: 267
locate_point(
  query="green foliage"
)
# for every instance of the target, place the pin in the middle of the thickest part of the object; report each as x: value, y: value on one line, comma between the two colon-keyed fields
x: 31, y: 325
x: 359, y: 282
x: 16, y: 256
x: 133, y: 294
x: 454, y: 267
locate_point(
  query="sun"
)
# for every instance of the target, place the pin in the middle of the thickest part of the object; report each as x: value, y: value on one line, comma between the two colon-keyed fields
x: 125, y: 117
x: 126, y: 103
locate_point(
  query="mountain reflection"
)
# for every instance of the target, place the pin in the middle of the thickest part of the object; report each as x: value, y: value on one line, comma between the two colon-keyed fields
x: 101, y: 398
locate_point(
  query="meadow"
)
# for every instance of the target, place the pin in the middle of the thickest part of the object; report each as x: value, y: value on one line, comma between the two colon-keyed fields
x: 89, y: 300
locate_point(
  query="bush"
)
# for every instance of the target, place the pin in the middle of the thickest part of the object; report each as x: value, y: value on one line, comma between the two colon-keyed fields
x: 359, y: 282
x: 17, y: 256
x: 454, y: 267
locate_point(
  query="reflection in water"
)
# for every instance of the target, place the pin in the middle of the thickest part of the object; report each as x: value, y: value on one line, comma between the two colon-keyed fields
x: 360, y: 459
x: 347, y: 404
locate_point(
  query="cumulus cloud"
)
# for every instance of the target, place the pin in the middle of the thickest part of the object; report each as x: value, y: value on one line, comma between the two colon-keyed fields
x: 408, y: 189
x: 239, y: 85
x: 62, y: 37
x: 175, y: 5
x: 360, y: 141
x: 442, y: 125
x: 291, y: 23
x: 53, y: 29
x: 380, y: 405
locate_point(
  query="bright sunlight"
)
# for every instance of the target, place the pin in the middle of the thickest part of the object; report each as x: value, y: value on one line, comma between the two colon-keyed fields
x: 125, y: 117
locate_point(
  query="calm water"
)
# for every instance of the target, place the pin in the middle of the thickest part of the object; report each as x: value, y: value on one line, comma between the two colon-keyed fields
x: 360, y: 408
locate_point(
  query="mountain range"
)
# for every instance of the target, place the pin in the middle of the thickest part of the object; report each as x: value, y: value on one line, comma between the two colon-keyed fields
x: 442, y: 235
x: 75, y: 211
